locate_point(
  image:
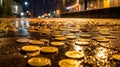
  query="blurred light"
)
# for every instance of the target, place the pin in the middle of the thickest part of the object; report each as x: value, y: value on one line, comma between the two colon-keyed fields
x: 78, y: 1
x: 15, y: 9
x: 16, y: 23
x: 22, y: 14
x: 43, y: 16
x: 1, y: 2
x: 27, y: 23
x: 91, y: 5
x: 73, y: 6
x: 22, y: 23
x: 101, y: 53
x: 26, y: 3
x: 46, y: 17
x: 49, y: 14
x: 54, y: 12
x: 78, y: 48
x: 39, y: 16
x: 63, y: 3
x: 27, y: 11
x: 68, y: 8
x: 106, y: 3
x: 95, y: 7
x: 58, y: 12
x: 87, y: 8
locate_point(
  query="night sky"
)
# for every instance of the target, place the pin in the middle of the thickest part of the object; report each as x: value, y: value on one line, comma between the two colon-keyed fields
x: 39, y: 7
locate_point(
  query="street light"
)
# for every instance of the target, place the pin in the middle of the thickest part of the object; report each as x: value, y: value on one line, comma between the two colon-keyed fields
x: 49, y: 14
x: 22, y: 14
x: 26, y: 3
x: 54, y: 12
x: 26, y: 8
x: 27, y: 11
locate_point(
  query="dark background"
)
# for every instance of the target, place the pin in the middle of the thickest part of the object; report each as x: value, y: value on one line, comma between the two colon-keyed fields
x: 39, y: 7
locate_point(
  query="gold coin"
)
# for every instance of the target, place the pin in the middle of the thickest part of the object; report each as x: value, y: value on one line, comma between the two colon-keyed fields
x: 23, y: 40
x: 35, y: 42
x: 39, y: 61
x: 116, y: 56
x: 74, y: 54
x: 57, y: 43
x: 49, y: 49
x: 30, y: 48
x: 69, y: 63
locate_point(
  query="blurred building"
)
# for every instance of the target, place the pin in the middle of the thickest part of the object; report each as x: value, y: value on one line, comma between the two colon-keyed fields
x: 17, y: 8
x: 10, y: 8
x: 82, y: 5
x: 5, y: 8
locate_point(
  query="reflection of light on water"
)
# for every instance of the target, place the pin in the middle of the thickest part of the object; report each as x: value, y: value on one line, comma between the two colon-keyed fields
x: 16, y: 23
x: 78, y: 48
x: 101, y: 53
x: 101, y: 49
x: 27, y: 23
x: 22, y: 23
x: 102, y: 56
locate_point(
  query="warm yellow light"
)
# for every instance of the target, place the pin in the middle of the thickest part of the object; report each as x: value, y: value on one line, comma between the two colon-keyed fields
x: 75, y: 5
x: 39, y: 16
x: 78, y: 48
x: 45, y: 14
x: 91, y: 5
x: 106, y: 3
x: 78, y: 1
x: 58, y: 12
